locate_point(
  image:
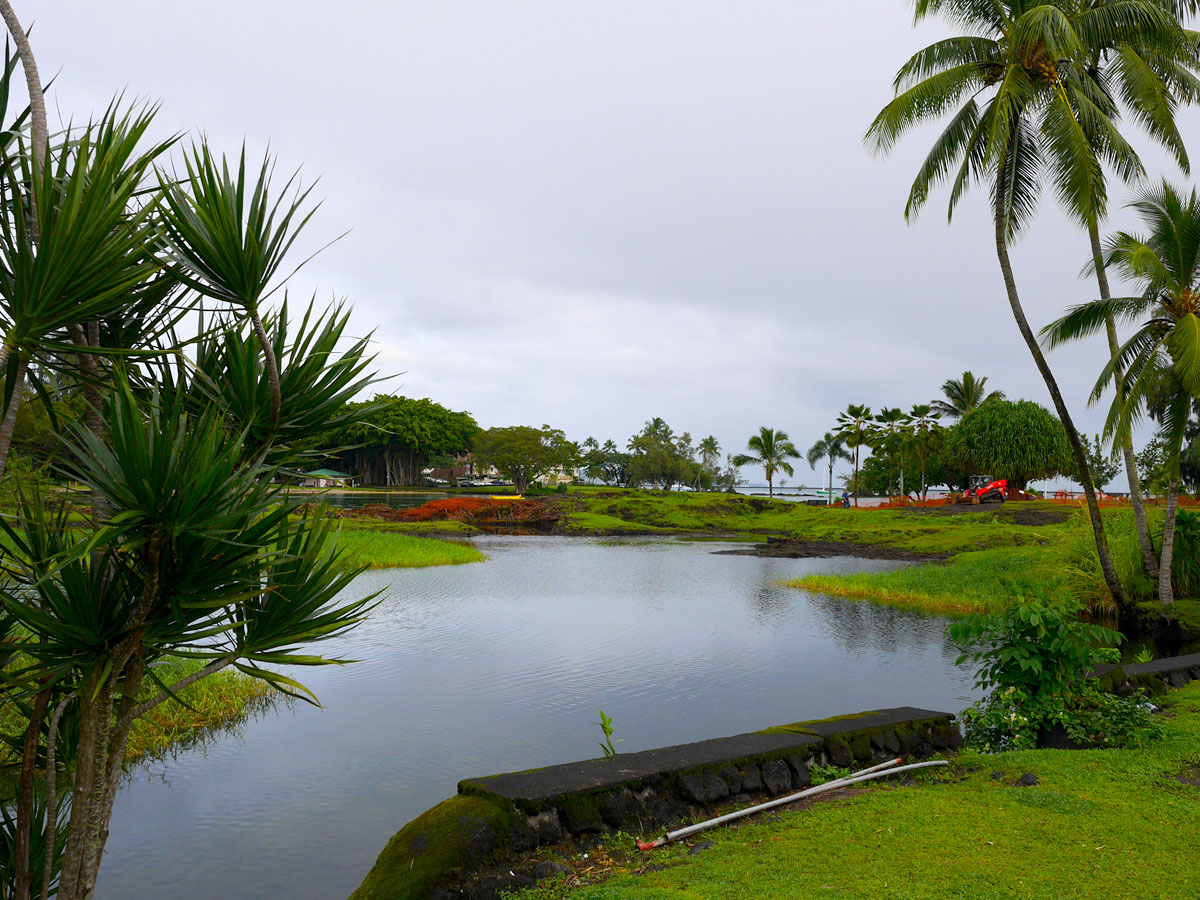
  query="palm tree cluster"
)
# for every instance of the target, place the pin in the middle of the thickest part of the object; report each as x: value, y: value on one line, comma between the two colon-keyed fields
x: 656, y: 456
x: 1036, y: 94
x: 890, y: 432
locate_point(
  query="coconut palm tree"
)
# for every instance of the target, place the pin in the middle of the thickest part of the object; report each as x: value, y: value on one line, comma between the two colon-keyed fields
x: 831, y: 447
x: 1149, y: 75
x: 963, y: 395
x: 770, y: 449
x: 1162, y: 358
x: 1029, y: 110
x: 923, y: 422
x: 887, y: 435
x: 854, y: 427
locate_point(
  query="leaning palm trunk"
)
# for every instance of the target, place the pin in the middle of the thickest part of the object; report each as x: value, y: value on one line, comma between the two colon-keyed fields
x: 1106, y: 564
x: 1166, y: 593
x: 39, y: 131
x: 1149, y: 560
x: 829, y: 496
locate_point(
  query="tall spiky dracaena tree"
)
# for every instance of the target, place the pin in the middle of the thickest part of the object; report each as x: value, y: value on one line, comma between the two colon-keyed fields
x: 1162, y: 359
x: 963, y: 395
x: 1029, y: 109
x: 770, y: 449
x: 854, y: 427
x: 831, y: 447
x: 191, y: 550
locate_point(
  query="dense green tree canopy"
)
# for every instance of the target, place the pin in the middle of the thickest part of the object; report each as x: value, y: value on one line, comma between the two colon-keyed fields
x: 523, y: 453
x: 659, y: 457
x: 1018, y: 440
x: 398, y: 437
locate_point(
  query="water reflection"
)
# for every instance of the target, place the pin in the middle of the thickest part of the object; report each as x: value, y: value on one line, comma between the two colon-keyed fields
x: 474, y: 669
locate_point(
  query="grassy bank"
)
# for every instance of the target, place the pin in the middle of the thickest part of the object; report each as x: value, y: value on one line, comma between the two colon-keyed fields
x: 388, y: 548
x: 1099, y: 824
x: 1064, y: 564
x: 983, y: 581
x: 214, y: 704
x: 647, y: 512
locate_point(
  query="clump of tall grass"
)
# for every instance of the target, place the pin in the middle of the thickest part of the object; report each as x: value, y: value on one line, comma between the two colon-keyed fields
x: 1185, y: 562
x: 389, y: 550
x: 213, y: 704
x: 1079, y: 564
x: 984, y: 581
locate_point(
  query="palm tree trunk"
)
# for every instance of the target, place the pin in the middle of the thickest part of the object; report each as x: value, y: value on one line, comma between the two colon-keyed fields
x: 1149, y: 560
x: 1166, y: 594
x: 829, y: 496
x: 39, y: 132
x: 1106, y: 564
x: 856, y: 477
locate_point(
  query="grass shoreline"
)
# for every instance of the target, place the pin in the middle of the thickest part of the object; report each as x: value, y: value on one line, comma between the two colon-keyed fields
x: 1099, y: 824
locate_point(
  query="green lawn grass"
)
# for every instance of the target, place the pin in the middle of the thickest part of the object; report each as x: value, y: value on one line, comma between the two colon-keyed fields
x: 1100, y: 824
x: 380, y: 549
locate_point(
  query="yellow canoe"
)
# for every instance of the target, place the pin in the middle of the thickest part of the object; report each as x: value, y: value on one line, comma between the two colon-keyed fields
x: 507, y: 496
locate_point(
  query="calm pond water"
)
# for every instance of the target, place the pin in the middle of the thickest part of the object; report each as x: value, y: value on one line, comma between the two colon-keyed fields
x: 391, y: 499
x: 498, y: 666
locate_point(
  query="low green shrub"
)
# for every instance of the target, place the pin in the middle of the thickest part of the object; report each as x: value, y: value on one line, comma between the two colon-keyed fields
x: 1036, y: 662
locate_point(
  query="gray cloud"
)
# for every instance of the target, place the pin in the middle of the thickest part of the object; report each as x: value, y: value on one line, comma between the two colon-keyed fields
x: 589, y: 214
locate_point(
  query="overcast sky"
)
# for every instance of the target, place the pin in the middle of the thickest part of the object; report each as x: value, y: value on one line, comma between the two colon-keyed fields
x: 592, y: 213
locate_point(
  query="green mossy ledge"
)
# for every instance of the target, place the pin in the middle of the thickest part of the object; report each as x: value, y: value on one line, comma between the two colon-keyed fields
x: 1154, y: 677
x: 477, y: 844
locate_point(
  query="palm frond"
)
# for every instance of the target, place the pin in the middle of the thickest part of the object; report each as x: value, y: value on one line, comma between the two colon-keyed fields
x: 1091, y: 318
x: 925, y: 100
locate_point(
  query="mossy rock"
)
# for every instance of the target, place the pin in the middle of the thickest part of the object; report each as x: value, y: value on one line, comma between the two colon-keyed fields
x: 456, y: 836
x: 1111, y: 680
x: 580, y: 813
x: 839, y: 753
x: 860, y: 745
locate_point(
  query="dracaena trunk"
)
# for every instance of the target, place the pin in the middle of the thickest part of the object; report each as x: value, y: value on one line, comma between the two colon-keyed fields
x: 9, y: 423
x: 22, y: 874
x: 1149, y: 560
x: 271, y: 364
x: 1077, y: 450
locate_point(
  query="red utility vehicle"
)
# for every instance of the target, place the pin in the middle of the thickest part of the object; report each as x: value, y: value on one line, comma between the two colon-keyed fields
x: 985, y: 489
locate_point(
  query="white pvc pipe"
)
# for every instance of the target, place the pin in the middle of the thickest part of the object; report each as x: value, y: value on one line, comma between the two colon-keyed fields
x: 874, y: 772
